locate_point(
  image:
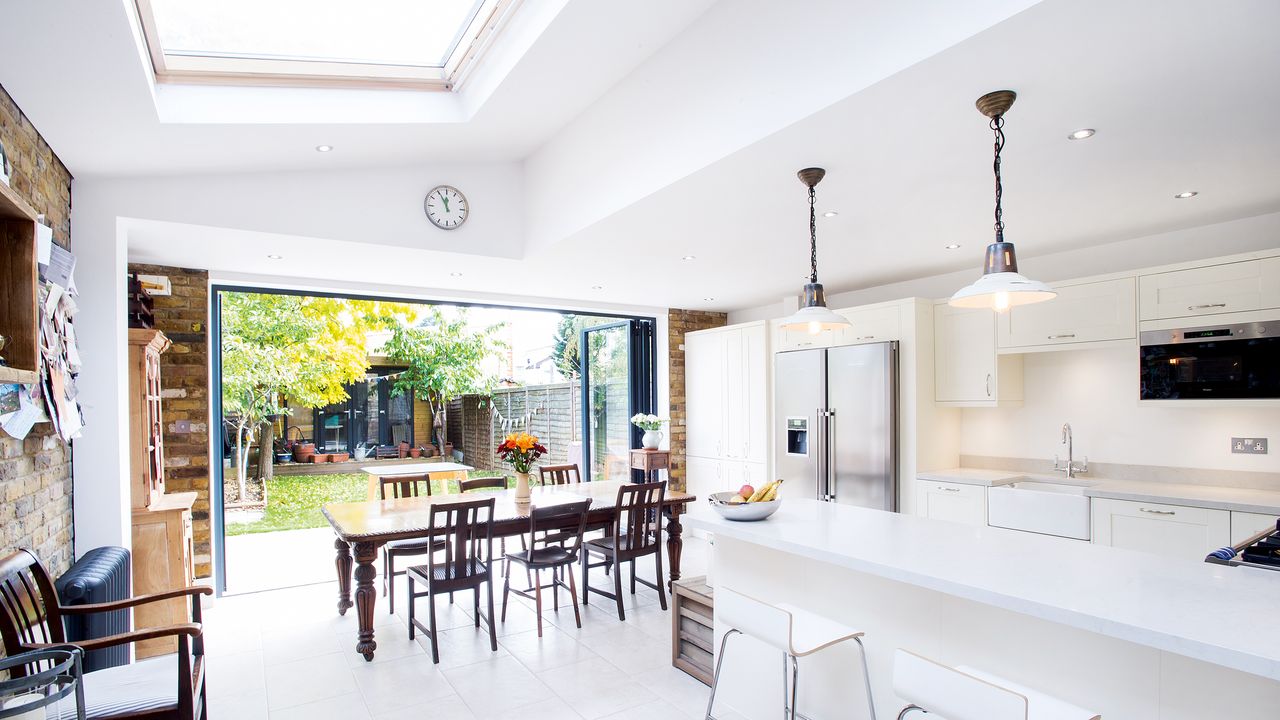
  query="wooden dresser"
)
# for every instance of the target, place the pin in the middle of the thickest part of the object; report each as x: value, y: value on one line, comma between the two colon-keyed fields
x: 162, y: 542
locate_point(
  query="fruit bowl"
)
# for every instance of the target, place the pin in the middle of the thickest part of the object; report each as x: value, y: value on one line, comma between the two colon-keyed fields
x: 743, y: 512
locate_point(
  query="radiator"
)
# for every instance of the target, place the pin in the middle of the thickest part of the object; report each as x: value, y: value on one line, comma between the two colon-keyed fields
x: 102, y: 575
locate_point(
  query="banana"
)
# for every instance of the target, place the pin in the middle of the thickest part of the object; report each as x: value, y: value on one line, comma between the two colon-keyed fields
x: 773, y: 491
x: 766, y: 492
x: 759, y: 493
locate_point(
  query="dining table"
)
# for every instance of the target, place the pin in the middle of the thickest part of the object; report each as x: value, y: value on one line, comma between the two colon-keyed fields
x: 433, y: 469
x: 361, y: 528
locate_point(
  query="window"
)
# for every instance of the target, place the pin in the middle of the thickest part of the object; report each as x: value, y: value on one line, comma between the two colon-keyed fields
x: 424, y: 44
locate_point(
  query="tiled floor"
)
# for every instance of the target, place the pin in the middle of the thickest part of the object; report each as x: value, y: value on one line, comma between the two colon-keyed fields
x: 287, y: 654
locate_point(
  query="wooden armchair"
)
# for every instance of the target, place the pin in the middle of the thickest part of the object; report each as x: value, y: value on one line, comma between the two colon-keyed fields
x: 31, y: 618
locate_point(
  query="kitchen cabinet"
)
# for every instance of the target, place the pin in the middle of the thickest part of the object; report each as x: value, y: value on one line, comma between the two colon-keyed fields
x: 704, y: 394
x: 1209, y: 290
x: 1170, y: 530
x: 968, y: 371
x: 704, y: 476
x: 870, y: 324
x: 1245, y: 525
x: 1082, y: 313
x: 956, y: 502
x: 726, y: 393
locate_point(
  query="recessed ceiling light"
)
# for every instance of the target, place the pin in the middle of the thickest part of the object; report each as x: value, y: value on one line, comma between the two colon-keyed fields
x: 455, y: 274
x: 953, y: 246
x: 597, y: 287
x: 688, y: 258
x: 1082, y: 134
x: 1187, y: 194
x: 275, y: 257
x: 830, y: 213
x: 324, y: 148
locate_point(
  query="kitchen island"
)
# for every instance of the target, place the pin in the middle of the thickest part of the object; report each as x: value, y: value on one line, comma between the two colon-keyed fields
x: 1128, y: 634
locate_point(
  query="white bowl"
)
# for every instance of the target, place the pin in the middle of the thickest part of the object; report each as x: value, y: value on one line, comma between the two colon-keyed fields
x: 744, y: 512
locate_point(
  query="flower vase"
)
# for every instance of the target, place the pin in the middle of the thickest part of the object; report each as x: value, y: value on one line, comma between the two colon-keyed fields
x: 522, y: 487
x: 651, y: 439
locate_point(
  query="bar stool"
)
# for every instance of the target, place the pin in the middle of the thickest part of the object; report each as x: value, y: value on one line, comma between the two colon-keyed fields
x: 794, y: 631
x: 963, y: 693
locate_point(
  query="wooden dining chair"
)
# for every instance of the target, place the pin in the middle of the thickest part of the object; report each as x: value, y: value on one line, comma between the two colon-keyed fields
x: 466, y: 528
x: 168, y: 687
x: 636, y: 532
x: 403, y: 486
x: 559, y: 474
x: 556, y: 556
x: 490, y: 483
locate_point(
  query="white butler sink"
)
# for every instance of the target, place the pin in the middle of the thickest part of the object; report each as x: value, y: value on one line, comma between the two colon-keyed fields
x: 1041, y: 506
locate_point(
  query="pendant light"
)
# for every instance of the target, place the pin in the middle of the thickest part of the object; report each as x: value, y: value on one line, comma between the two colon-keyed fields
x: 813, y: 316
x: 1000, y: 286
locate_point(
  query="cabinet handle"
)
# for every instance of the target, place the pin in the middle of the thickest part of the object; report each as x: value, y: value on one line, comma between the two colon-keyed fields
x: 1206, y: 307
x: 1060, y: 337
x: 948, y: 489
x: 988, y: 384
x: 1159, y: 512
x: 867, y: 337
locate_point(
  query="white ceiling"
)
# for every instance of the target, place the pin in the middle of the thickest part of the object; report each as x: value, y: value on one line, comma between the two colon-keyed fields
x: 1182, y: 93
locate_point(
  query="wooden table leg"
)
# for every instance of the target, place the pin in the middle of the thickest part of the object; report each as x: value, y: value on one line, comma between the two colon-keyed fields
x: 366, y: 553
x: 343, y: 564
x: 675, y: 543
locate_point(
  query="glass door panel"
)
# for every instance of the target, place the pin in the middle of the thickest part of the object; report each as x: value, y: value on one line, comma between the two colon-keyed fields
x: 332, y: 423
x: 617, y: 382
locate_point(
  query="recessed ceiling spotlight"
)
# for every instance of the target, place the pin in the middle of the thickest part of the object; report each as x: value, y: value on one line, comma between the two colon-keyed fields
x: 455, y: 274
x: 830, y: 213
x: 324, y: 148
x: 1082, y: 134
x: 597, y: 287
x: 953, y: 246
x: 1187, y: 194
x: 689, y: 258
x: 275, y: 257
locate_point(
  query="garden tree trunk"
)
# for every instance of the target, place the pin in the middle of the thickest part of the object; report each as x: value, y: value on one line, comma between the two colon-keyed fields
x: 243, y: 440
x: 266, y: 454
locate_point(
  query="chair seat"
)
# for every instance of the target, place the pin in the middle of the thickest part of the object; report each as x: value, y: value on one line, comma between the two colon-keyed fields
x: 144, y: 686
x: 415, y: 544
x: 811, y: 632
x: 442, y: 573
x: 543, y: 557
x: 1039, y: 705
x: 604, y: 544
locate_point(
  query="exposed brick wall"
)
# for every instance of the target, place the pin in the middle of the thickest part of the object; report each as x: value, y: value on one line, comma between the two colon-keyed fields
x: 35, y: 473
x: 680, y: 322
x: 184, y: 377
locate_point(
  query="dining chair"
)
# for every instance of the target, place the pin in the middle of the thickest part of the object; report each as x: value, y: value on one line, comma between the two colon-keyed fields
x: 167, y: 687
x: 490, y: 483
x: 554, y: 556
x: 403, y: 486
x: 466, y: 528
x: 559, y: 474
x: 636, y: 531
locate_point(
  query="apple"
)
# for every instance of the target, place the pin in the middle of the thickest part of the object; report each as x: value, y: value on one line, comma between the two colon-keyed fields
x: 746, y: 491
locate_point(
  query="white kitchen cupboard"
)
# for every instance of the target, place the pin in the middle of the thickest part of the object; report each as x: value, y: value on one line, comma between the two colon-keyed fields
x: 727, y: 393
x: 956, y: 502
x: 1224, y: 288
x: 704, y: 476
x: 877, y: 323
x: 1245, y: 525
x: 1081, y: 315
x: 1170, y: 530
x: 968, y: 370
x: 704, y: 389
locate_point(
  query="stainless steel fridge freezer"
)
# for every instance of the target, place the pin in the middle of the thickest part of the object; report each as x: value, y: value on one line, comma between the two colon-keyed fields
x: 837, y: 415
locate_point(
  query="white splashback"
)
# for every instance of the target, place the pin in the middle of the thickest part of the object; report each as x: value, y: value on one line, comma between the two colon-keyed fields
x: 1096, y: 391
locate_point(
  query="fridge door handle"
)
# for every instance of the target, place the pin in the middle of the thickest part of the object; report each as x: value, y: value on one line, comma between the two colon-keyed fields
x: 831, y: 455
x: 820, y: 450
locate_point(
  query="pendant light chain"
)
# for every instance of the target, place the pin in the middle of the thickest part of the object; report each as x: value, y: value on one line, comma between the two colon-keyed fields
x: 997, y: 125
x: 813, y: 237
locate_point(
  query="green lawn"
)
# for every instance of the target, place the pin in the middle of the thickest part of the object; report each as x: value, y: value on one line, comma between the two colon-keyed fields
x: 293, y: 501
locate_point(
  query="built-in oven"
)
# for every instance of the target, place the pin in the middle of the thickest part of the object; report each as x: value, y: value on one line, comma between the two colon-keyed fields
x: 1240, y: 361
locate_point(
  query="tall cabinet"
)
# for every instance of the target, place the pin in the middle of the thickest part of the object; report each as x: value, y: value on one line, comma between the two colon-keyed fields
x: 162, y: 542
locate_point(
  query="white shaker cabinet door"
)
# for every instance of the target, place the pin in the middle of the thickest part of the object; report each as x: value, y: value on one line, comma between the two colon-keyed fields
x: 1245, y: 525
x: 1084, y: 313
x: 704, y: 371
x: 952, y: 501
x: 1210, y: 290
x: 1170, y: 530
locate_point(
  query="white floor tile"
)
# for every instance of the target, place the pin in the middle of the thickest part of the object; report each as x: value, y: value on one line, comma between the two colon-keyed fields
x: 303, y: 681
x: 342, y: 707
x: 396, y: 684
x: 550, y: 709
x: 677, y: 688
x: 299, y: 642
x: 496, y: 686
x: 241, y: 673
x: 554, y: 649
x: 393, y: 644
x: 463, y: 646
x: 448, y: 708
x: 649, y: 711
x: 240, y: 706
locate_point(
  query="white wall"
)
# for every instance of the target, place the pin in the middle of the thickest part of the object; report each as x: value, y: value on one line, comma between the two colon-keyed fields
x: 1096, y: 391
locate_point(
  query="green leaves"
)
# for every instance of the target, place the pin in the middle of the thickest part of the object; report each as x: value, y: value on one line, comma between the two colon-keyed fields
x: 443, y: 356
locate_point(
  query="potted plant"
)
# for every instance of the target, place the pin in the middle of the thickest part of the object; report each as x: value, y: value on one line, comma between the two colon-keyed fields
x: 521, y: 450
x: 652, y: 427
x: 415, y: 452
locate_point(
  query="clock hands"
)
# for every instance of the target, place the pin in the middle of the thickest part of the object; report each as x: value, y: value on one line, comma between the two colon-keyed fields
x: 445, y: 200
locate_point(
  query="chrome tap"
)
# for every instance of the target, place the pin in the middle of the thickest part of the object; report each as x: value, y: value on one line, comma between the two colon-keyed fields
x: 1072, y: 468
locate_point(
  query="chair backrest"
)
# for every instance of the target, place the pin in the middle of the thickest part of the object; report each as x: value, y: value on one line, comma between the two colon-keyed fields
x: 467, y: 528
x: 489, y: 483
x: 762, y: 621
x: 29, y: 611
x: 637, y: 524
x: 559, y: 474
x: 571, y: 516
x: 944, y: 691
x: 402, y: 486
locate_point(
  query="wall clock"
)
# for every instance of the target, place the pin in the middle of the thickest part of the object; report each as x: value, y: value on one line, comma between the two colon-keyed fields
x: 446, y: 207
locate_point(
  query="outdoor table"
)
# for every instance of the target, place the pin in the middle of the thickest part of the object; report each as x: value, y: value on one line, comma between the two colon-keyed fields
x: 433, y: 470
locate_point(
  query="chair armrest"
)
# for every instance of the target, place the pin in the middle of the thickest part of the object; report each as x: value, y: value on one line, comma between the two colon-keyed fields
x: 134, y: 601
x: 192, y: 630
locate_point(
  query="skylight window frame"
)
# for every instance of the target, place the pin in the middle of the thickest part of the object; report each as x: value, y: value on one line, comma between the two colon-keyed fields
x: 211, y: 69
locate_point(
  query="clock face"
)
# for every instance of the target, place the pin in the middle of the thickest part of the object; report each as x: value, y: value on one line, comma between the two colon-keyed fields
x: 446, y: 207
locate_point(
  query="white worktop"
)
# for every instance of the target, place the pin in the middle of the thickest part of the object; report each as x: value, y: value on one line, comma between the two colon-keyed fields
x: 1204, y: 496
x: 1221, y: 615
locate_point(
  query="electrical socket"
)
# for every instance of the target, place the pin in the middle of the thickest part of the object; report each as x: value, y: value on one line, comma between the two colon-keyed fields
x: 1249, y: 446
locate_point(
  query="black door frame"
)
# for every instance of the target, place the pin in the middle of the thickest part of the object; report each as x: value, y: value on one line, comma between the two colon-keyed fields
x: 642, y: 395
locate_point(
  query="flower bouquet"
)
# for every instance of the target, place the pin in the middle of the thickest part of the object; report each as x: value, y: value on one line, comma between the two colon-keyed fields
x: 652, y: 427
x: 520, y: 450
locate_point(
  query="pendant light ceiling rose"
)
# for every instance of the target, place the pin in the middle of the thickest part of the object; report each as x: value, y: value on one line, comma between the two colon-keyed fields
x: 811, y: 176
x: 996, y: 103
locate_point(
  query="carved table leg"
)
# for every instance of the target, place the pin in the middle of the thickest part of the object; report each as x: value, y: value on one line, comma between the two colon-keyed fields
x: 675, y: 543
x: 366, y: 553
x: 343, y: 564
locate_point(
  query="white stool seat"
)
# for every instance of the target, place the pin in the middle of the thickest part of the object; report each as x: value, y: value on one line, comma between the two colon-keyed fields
x: 1039, y: 705
x: 966, y: 694
x: 811, y: 633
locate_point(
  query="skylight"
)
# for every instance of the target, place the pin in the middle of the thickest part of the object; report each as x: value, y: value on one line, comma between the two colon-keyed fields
x: 422, y: 43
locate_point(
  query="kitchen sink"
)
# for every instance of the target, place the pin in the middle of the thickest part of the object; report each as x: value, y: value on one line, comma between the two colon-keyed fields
x: 1047, y: 507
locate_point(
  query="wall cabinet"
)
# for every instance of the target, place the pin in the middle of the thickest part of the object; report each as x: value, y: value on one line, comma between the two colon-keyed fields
x: 967, y: 369
x: 877, y: 323
x: 1245, y: 525
x: 1225, y: 288
x: 1082, y: 313
x: 726, y: 393
x: 951, y: 501
x: 1170, y: 530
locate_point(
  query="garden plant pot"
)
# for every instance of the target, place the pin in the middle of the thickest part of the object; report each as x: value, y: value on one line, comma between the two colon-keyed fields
x: 339, y: 457
x: 320, y: 458
x: 415, y: 452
